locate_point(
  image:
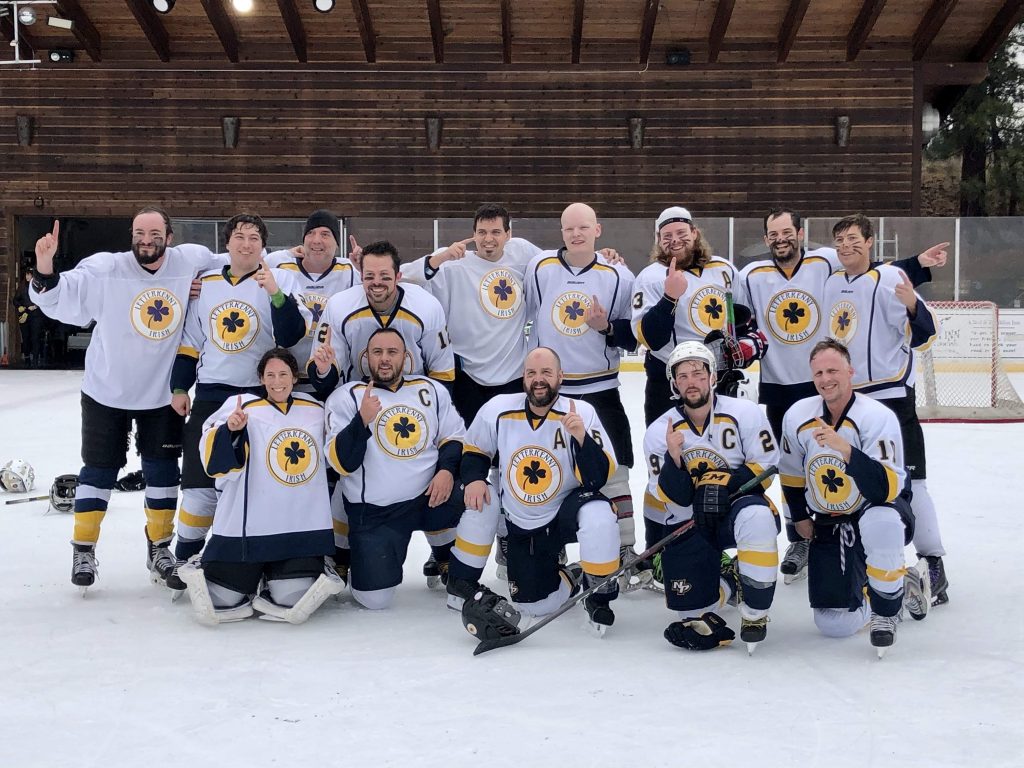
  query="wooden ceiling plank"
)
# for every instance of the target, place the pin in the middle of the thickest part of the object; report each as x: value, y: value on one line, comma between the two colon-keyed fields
x: 26, y: 46
x: 862, y: 26
x: 296, y: 32
x: 83, y: 29
x: 647, y: 30
x: 997, y: 31
x: 506, y: 31
x: 366, y: 33
x: 436, y: 29
x: 791, y: 27
x: 577, y: 29
x: 723, y: 15
x: 931, y: 25
x: 151, y: 27
x: 221, y: 22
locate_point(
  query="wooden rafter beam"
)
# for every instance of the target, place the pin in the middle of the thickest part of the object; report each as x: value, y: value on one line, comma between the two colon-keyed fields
x: 723, y: 15
x: 151, y: 27
x: 83, y: 28
x: 366, y: 33
x: 647, y: 30
x: 221, y: 22
x: 436, y: 29
x: 791, y: 27
x: 293, y: 24
x: 577, y: 29
x: 862, y: 26
x: 25, y: 44
x: 1002, y: 24
x: 931, y: 25
x: 506, y: 31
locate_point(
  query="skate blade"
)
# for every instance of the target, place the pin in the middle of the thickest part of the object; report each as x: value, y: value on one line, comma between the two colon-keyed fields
x: 433, y: 582
x: 83, y: 591
x: 654, y: 586
x: 881, y: 652
x: 268, y: 617
x: 792, y: 578
x: 940, y: 599
x: 596, y: 630
x: 751, y: 647
x: 176, y: 594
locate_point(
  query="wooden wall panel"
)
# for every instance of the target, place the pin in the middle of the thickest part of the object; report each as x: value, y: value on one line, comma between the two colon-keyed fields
x: 723, y: 140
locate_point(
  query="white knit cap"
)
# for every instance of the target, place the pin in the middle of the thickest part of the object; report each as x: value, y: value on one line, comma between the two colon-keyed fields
x: 675, y: 213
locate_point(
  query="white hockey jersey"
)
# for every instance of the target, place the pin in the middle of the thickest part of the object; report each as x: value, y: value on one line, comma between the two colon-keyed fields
x: 139, y: 319
x: 484, y: 303
x: 536, y: 461
x: 557, y: 295
x: 417, y: 316
x: 736, y: 434
x: 787, y: 307
x: 865, y: 315
x: 401, y: 445
x: 700, y: 310
x: 821, y: 472
x: 229, y: 327
x: 272, y: 481
x: 315, y: 291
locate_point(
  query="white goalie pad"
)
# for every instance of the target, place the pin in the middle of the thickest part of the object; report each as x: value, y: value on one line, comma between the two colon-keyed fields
x: 325, y: 586
x: 199, y: 594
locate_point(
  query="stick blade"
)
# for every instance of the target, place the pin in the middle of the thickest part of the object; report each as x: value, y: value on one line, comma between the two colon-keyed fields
x: 489, y: 645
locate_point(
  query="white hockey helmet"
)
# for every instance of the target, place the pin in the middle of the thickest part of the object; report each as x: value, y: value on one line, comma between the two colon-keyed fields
x: 690, y: 350
x: 17, y: 476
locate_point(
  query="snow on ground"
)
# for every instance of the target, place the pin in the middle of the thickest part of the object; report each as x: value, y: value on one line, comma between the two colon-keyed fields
x: 124, y: 677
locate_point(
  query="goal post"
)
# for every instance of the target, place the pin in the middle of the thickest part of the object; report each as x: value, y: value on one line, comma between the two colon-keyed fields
x: 961, y: 376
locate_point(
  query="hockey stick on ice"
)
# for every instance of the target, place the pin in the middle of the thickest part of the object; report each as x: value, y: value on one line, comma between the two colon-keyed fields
x: 26, y: 501
x: 501, y: 642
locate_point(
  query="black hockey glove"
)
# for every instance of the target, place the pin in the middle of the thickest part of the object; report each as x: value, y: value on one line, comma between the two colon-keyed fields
x: 703, y: 634
x: 711, y: 501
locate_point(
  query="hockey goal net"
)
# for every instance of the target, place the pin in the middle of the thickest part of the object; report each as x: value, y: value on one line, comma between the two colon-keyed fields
x: 961, y: 376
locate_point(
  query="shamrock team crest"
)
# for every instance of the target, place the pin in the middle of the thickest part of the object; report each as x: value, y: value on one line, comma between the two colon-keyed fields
x: 292, y: 456
x: 401, y: 431
x: 501, y: 294
x: 707, y: 309
x: 568, y: 311
x: 234, y: 325
x: 534, y: 475
x: 793, y: 316
x: 843, y: 321
x: 156, y: 314
x: 833, y: 489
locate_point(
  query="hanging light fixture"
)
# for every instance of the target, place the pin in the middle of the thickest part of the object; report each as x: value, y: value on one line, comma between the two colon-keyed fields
x: 162, y: 6
x: 323, y: 6
x: 26, y: 15
x: 242, y: 6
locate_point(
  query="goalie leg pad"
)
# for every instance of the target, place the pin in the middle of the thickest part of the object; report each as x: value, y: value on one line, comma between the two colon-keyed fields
x: 701, y: 634
x: 324, y: 587
x: 202, y: 603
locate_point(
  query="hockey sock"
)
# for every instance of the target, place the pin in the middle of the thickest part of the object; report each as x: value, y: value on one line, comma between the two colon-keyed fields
x: 91, y: 499
x: 927, y: 538
x: 194, y: 520
x: 162, y: 478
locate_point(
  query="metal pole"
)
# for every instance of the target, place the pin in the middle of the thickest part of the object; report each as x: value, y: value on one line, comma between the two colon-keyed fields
x: 956, y: 260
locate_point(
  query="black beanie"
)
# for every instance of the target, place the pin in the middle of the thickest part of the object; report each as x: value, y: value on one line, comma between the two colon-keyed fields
x: 324, y: 218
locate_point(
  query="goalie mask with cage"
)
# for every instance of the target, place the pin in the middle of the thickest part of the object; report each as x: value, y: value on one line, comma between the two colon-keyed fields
x: 62, y: 493
x: 690, y: 350
x: 489, y: 616
x: 17, y: 476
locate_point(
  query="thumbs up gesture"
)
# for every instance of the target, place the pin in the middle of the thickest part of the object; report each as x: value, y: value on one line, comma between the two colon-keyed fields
x: 238, y: 418
x: 573, y: 423
x: 596, y: 316
x: 369, y: 406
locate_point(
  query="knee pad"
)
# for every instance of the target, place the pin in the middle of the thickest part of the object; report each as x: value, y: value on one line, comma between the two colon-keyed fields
x: 287, y: 592
x: 692, y: 568
x: 545, y: 605
x: 375, y: 599
x: 222, y: 597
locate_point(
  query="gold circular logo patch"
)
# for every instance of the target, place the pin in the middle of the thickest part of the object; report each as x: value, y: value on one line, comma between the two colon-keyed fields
x: 793, y: 316
x: 292, y: 456
x: 402, y: 431
x: 156, y: 314
x: 234, y: 326
x: 500, y: 293
x: 833, y: 490
x: 843, y: 321
x: 707, y: 309
x: 534, y: 475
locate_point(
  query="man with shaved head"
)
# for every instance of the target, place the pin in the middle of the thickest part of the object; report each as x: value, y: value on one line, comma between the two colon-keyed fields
x: 580, y: 307
x: 553, y: 458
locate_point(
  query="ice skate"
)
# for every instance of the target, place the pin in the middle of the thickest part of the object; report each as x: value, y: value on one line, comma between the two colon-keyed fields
x: 84, y: 566
x: 883, y: 632
x: 794, y: 563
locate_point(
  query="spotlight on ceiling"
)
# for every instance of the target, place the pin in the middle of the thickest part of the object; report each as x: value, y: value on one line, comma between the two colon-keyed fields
x: 62, y: 55
x: 162, y: 6
x: 242, y: 6
x: 27, y: 16
x: 323, y: 6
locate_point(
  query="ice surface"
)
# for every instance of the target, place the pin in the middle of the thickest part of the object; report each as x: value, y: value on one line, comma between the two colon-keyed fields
x: 124, y: 677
